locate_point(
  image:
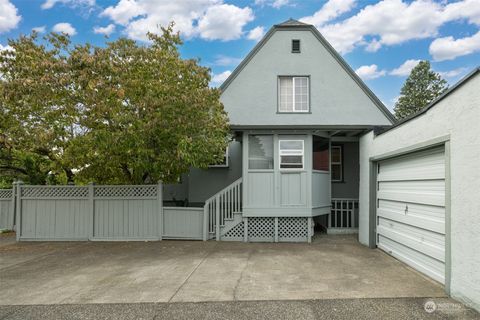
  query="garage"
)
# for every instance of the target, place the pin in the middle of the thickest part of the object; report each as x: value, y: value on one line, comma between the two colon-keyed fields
x: 410, y: 208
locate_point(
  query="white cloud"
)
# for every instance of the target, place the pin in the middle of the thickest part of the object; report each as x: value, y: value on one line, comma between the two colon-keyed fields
x: 272, y: 3
x: 223, y: 61
x: 405, y: 68
x: 9, y: 17
x: 453, y: 73
x: 64, y: 27
x: 48, y: 4
x: 40, y: 29
x: 218, y: 79
x: 449, y: 48
x: 105, y: 30
x: 6, y: 47
x: 329, y: 11
x: 370, y: 72
x: 390, y: 22
x: 207, y: 19
x: 224, y: 22
x: 256, y: 33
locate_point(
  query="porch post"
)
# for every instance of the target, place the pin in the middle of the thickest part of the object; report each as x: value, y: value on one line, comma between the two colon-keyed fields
x: 309, y: 231
x: 245, y: 230
x: 276, y: 229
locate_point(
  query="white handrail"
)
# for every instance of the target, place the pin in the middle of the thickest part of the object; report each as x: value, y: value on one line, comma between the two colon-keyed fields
x: 222, y: 206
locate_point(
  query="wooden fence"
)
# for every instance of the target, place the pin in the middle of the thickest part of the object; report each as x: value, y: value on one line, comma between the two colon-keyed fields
x: 101, y: 213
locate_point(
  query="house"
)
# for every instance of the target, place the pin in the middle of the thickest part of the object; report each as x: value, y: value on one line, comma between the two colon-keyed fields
x: 297, y: 111
x: 313, y: 146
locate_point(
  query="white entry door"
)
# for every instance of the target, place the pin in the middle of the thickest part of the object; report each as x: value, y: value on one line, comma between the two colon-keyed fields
x: 411, y: 210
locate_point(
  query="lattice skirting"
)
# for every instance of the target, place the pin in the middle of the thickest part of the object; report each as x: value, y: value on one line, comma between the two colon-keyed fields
x: 263, y: 229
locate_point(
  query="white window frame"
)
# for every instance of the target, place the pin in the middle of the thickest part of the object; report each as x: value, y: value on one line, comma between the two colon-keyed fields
x: 223, y: 165
x: 293, y: 94
x: 291, y: 153
x: 337, y: 163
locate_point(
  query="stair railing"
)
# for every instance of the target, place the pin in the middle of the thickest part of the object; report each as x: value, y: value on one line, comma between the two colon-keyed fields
x: 220, y: 207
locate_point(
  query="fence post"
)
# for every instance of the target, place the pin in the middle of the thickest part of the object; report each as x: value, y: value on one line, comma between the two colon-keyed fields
x: 91, y: 205
x: 160, y: 209
x: 18, y: 230
x: 205, y: 221
x: 12, y: 209
x: 217, y: 217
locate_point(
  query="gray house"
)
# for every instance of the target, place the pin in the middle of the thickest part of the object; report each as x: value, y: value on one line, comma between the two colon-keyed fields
x: 296, y: 111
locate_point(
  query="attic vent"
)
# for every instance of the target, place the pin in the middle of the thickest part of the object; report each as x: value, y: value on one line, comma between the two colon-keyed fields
x: 296, y: 46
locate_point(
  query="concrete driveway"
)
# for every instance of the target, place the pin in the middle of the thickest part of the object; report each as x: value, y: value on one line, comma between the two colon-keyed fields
x: 333, y: 267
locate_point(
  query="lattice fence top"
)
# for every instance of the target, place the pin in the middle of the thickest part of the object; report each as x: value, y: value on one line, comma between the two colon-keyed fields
x: 149, y: 191
x: 5, y: 194
x: 55, y: 192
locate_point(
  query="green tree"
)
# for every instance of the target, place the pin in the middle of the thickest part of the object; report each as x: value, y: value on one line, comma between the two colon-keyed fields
x: 123, y: 113
x: 422, y: 86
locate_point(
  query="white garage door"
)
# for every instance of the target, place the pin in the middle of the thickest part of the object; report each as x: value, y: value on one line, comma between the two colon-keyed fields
x: 411, y: 210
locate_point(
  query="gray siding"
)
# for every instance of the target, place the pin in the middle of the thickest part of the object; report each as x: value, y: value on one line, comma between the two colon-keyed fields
x: 200, y: 184
x: 251, y: 98
x: 348, y: 188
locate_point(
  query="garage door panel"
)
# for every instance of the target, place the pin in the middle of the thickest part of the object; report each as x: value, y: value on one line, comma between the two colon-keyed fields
x: 427, y: 244
x: 411, y: 210
x: 425, y: 165
x: 423, y: 211
x: 425, y: 264
x: 413, y: 220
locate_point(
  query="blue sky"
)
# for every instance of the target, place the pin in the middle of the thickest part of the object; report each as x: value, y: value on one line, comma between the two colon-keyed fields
x: 381, y: 40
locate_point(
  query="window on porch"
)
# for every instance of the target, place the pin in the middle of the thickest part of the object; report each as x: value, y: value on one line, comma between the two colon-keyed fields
x: 260, y: 152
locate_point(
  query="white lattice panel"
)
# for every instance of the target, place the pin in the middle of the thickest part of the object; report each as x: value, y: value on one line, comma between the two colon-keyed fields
x: 292, y: 228
x: 5, y: 193
x: 55, y: 192
x: 261, y: 227
x: 236, y: 232
x: 126, y: 191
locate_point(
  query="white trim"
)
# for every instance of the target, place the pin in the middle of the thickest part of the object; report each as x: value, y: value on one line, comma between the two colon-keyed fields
x: 291, y: 153
x: 294, y: 109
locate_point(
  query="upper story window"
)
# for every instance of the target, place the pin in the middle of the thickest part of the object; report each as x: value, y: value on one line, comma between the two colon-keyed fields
x: 293, y: 94
x: 295, y: 46
x: 291, y: 154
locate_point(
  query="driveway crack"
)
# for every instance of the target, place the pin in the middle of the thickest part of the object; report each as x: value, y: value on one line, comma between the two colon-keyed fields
x: 235, y: 289
x: 193, y: 271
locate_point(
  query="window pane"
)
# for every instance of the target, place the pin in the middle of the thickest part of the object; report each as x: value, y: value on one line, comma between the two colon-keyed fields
x: 291, y: 159
x: 301, y: 93
x: 336, y: 154
x: 320, y: 153
x: 291, y: 145
x: 336, y: 172
x: 286, y: 94
x: 260, y: 152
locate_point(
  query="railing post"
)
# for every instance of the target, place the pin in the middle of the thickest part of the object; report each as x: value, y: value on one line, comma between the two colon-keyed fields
x: 18, y: 230
x: 160, y: 209
x: 91, y: 206
x: 205, y: 221
x: 217, y: 217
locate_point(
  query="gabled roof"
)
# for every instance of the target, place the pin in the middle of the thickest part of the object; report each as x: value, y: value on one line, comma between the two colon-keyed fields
x: 293, y: 24
x: 433, y: 103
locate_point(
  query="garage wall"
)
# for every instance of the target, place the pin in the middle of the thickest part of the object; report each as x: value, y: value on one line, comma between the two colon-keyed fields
x: 456, y: 115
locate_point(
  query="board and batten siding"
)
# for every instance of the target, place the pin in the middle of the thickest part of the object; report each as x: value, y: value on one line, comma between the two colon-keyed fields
x: 411, y: 210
